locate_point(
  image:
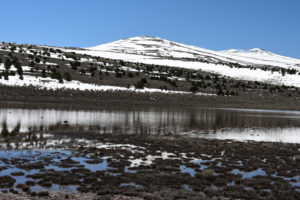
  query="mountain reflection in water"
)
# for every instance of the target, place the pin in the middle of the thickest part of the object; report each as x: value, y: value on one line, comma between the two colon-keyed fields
x: 238, y: 124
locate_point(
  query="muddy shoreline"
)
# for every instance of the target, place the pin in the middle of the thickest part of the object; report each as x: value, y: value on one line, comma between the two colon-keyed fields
x: 72, y: 99
x: 149, y: 167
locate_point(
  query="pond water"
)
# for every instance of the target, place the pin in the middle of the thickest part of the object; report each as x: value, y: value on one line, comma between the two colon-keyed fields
x: 47, y: 149
x: 237, y: 124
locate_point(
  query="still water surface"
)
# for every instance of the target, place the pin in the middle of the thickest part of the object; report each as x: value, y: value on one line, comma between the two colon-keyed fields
x: 237, y: 124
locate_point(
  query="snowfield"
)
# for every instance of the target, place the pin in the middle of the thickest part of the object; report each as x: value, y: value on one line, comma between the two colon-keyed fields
x: 48, y: 83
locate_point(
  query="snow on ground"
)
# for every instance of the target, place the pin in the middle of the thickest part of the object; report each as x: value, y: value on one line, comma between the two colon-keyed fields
x: 129, y: 69
x: 49, y: 63
x: 12, y: 68
x: 48, y: 83
x: 127, y: 147
x: 264, y: 57
x: 150, y: 158
x: 237, y: 73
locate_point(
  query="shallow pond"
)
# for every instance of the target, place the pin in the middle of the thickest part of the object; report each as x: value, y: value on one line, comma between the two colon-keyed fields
x: 51, y: 150
x: 237, y: 124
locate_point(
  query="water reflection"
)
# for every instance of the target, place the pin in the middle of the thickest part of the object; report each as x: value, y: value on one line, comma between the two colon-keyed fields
x: 280, y: 126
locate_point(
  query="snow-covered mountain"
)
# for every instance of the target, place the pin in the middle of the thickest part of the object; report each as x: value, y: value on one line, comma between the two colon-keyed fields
x: 157, y: 47
x: 254, y: 64
x: 99, y: 68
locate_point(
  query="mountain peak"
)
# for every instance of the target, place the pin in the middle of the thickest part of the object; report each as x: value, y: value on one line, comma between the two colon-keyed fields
x: 258, y: 50
x: 145, y: 45
x: 146, y: 37
x: 143, y: 37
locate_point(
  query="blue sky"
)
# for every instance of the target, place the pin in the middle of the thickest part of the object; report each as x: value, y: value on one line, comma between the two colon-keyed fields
x: 273, y: 25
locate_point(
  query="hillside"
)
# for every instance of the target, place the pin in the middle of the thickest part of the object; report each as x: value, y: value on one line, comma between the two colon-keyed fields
x: 254, y: 64
x: 150, y: 65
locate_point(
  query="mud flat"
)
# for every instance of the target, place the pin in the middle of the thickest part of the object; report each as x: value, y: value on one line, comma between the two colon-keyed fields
x: 144, y: 167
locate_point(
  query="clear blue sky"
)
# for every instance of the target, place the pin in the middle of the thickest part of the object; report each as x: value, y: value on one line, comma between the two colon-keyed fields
x: 273, y: 25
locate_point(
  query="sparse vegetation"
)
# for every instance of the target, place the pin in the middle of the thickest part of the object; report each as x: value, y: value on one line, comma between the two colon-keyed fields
x: 67, y: 76
x: 208, y: 173
x: 121, y: 73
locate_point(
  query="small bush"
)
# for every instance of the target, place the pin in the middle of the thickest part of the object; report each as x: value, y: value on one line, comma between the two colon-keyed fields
x: 220, y: 92
x: 82, y: 71
x: 7, y: 64
x: 130, y: 75
x: 56, y: 75
x: 194, y: 89
x: 139, y: 85
x: 67, y: 76
x: 44, y: 73
x: 118, y: 75
x: 208, y: 173
x: 163, y: 87
x: 37, y: 60
x: 75, y: 65
x: 5, y: 76
x: 144, y: 80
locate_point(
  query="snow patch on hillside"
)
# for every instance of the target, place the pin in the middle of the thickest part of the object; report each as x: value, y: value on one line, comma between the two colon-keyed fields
x: 236, y: 73
x: 48, y: 83
x: 25, y: 68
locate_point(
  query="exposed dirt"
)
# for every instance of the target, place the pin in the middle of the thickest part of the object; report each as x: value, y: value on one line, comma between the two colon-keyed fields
x: 67, y: 99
